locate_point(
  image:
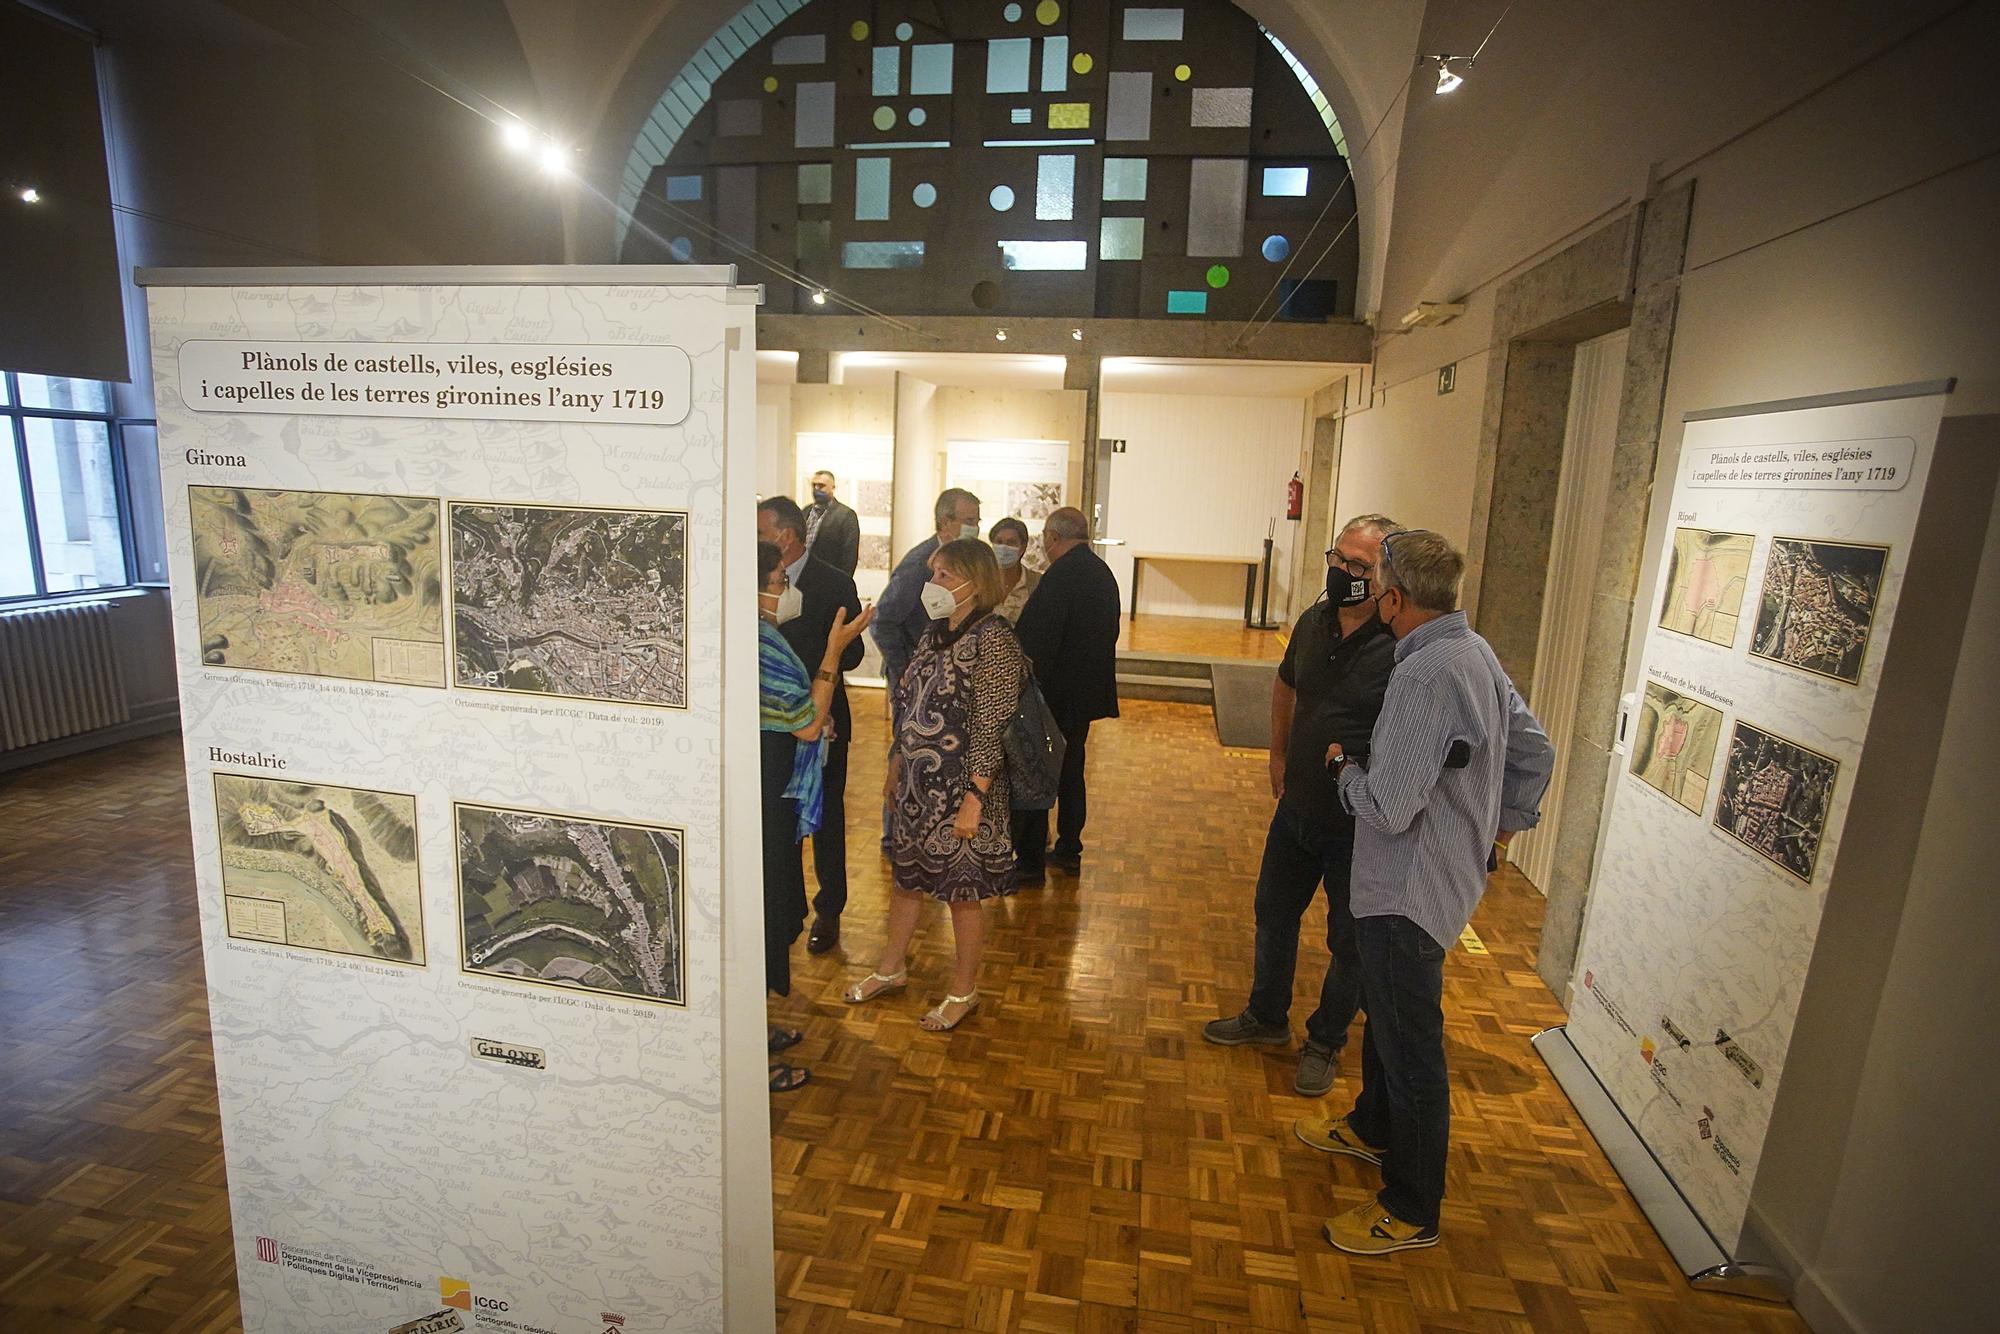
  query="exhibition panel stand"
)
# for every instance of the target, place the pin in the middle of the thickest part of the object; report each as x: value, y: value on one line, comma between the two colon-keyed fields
x: 1782, y: 681
x: 461, y: 565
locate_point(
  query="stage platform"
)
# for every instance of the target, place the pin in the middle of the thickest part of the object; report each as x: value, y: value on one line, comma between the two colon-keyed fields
x: 1173, y: 657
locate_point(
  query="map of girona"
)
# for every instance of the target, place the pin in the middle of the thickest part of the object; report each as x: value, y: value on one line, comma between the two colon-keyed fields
x: 1818, y: 604
x: 320, y: 867
x: 320, y: 583
x: 572, y: 902
x: 1706, y: 575
x: 584, y: 603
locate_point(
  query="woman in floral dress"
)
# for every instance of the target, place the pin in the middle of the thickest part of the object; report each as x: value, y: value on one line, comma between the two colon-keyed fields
x: 948, y: 830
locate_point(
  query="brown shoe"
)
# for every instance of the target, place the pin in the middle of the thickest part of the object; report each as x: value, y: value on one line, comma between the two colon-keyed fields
x: 825, y: 935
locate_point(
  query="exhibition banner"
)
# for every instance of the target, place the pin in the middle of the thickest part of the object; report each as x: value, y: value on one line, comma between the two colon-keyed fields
x: 1780, y: 574
x: 459, y: 670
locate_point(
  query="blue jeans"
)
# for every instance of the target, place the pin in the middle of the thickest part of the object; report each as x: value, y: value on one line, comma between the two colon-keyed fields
x: 1301, y: 852
x: 1405, y: 1102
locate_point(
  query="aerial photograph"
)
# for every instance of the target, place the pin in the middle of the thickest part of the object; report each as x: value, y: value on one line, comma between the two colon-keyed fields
x: 1818, y: 605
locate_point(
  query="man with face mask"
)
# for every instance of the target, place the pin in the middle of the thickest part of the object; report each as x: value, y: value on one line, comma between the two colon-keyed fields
x: 805, y: 615
x: 1329, y: 688
x: 833, y: 531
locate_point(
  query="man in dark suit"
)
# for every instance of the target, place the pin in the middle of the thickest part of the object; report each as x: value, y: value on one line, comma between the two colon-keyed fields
x: 824, y: 590
x: 1070, y: 631
x: 833, y: 531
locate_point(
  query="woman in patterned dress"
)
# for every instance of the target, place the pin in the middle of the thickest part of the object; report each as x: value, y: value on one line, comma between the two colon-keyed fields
x: 948, y: 830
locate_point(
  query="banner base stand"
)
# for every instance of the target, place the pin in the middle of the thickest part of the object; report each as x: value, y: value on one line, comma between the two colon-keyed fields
x: 1703, y: 1262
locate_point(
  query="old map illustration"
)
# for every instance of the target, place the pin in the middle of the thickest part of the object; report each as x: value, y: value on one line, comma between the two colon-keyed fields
x: 1775, y: 797
x: 321, y: 583
x: 572, y: 902
x: 320, y: 867
x: 1706, y: 576
x: 1675, y: 744
x: 1818, y: 604
x: 585, y: 603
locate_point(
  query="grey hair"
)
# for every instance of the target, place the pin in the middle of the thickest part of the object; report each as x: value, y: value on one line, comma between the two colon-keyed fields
x: 1376, y: 524
x: 1423, y: 566
x: 1067, y: 525
x: 947, y: 503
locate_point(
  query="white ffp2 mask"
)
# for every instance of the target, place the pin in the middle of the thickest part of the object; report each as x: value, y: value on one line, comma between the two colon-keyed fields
x: 939, y: 601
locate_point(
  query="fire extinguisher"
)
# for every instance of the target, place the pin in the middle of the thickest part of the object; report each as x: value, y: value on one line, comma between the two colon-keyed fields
x: 1295, y: 498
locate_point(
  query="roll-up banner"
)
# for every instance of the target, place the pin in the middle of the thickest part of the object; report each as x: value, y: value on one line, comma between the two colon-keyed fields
x: 1781, y: 575
x: 461, y: 564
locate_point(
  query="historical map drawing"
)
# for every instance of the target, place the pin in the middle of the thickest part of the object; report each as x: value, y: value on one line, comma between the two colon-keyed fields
x: 872, y: 498
x: 1775, y: 797
x: 1033, y: 500
x: 1819, y: 602
x: 874, y: 553
x: 320, y: 867
x: 1674, y: 748
x: 321, y: 583
x: 572, y: 902
x: 585, y: 603
x: 1706, y: 575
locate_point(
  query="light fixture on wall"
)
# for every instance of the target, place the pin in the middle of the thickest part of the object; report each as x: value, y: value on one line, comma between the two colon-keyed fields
x: 552, y: 158
x: 1077, y: 334
x: 999, y: 335
x: 28, y: 194
x: 515, y: 137
x: 1449, y: 78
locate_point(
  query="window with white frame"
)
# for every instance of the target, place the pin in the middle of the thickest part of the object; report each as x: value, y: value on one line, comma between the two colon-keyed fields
x: 63, y: 526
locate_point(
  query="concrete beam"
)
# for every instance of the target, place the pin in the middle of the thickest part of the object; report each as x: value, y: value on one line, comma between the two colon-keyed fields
x: 1347, y: 342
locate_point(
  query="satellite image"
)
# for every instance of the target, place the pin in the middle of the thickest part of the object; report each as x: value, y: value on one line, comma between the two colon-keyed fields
x: 319, y: 583
x: 320, y: 867
x: 573, y: 902
x: 1819, y: 602
x: 583, y: 603
x: 1675, y: 744
x: 1033, y: 500
x: 1775, y: 797
x: 1706, y: 576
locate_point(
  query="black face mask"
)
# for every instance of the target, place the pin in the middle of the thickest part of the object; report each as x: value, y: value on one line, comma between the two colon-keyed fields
x: 1344, y: 589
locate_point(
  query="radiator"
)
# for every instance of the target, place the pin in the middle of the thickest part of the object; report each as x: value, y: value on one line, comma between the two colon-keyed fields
x: 58, y: 673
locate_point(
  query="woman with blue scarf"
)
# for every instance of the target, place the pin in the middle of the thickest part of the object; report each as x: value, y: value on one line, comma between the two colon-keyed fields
x: 793, y: 729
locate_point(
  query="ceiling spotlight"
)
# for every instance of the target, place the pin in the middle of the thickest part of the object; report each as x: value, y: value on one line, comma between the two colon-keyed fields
x: 819, y: 297
x: 1077, y: 334
x: 1448, y: 78
x: 1000, y: 335
x: 553, y: 158
x: 514, y: 137
x: 30, y: 195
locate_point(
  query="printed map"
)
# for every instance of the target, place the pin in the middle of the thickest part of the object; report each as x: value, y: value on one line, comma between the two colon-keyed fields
x: 571, y: 902
x: 1675, y: 744
x: 320, y: 867
x: 1706, y: 576
x: 321, y: 583
x: 1775, y: 797
x: 583, y: 603
x: 1819, y: 601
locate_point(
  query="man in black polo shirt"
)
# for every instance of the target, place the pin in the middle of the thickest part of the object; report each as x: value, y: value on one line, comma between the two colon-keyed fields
x: 1329, y: 688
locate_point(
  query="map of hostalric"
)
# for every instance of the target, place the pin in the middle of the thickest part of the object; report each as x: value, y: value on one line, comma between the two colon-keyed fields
x: 1775, y: 797
x: 594, y: 904
x: 1819, y: 601
x: 1706, y: 576
x: 584, y: 603
x: 321, y: 583
x: 320, y: 867
x: 1675, y: 743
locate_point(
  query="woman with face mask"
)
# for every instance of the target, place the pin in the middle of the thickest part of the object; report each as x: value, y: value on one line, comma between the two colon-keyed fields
x: 1017, y: 582
x: 949, y: 836
x: 792, y: 729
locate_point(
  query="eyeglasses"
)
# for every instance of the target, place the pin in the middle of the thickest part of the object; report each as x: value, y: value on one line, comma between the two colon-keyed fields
x: 1358, y: 568
x: 1389, y: 541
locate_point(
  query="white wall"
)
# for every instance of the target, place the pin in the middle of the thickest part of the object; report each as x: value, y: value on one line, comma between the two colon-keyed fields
x: 1201, y: 475
x: 1411, y: 454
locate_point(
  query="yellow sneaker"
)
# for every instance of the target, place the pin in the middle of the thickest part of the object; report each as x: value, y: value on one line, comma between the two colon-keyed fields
x: 1369, y: 1229
x: 1332, y: 1134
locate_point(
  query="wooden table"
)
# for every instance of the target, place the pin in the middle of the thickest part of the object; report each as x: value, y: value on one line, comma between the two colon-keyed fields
x: 1249, y: 564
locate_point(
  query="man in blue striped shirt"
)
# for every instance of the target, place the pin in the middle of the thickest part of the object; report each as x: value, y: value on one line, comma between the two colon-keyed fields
x: 1456, y: 766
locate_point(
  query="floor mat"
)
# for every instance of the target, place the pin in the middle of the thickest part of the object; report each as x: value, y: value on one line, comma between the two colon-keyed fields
x: 1243, y: 702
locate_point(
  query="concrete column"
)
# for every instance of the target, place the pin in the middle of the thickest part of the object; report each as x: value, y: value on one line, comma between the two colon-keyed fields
x: 814, y: 366
x: 1085, y: 371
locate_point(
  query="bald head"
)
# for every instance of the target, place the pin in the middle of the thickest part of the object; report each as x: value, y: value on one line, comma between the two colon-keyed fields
x: 1063, y: 530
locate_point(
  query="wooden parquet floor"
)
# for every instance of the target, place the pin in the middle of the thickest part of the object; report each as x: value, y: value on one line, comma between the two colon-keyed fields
x: 1204, y: 636
x: 1075, y: 1158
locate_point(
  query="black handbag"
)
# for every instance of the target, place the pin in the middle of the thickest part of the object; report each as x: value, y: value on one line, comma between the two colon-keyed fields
x: 1035, y: 747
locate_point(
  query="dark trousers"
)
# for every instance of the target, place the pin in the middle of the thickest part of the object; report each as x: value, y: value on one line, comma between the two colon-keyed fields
x: 1405, y: 1102
x: 784, y: 872
x: 1301, y: 852
x: 1031, y: 828
x: 829, y: 843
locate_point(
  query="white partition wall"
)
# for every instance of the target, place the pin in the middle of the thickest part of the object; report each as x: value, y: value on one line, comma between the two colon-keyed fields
x: 461, y: 565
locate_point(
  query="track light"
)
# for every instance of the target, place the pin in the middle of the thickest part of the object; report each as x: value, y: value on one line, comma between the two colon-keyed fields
x: 1077, y: 334
x: 1448, y: 78
x: 553, y: 158
x: 29, y: 195
x: 514, y: 137
x: 819, y: 297
x: 1000, y: 335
